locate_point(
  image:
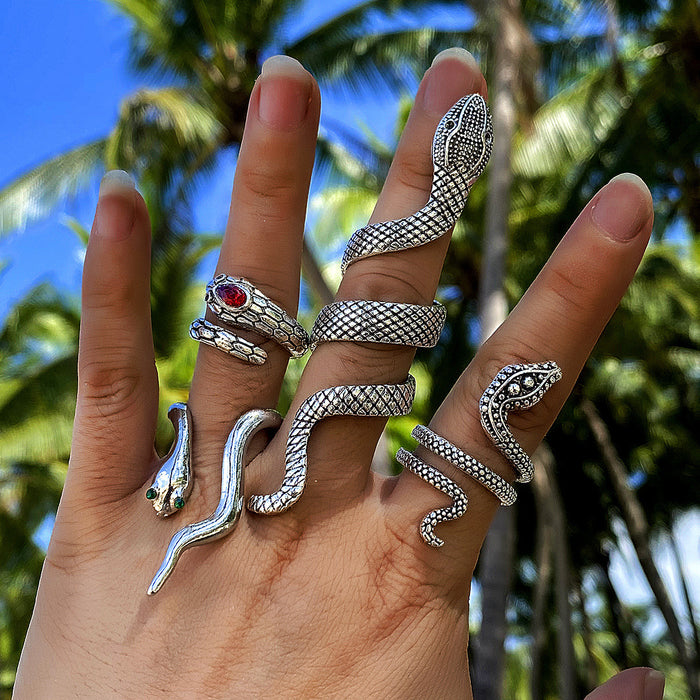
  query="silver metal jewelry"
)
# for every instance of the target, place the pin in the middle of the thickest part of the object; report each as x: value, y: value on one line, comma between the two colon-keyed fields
x: 173, y: 482
x: 488, y: 478
x: 515, y: 387
x: 437, y: 479
x: 227, y: 513
x: 380, y: 322
x: 218, y: 337
x: 361, y: 400
x: 238, y: 303
x: 461, y: 150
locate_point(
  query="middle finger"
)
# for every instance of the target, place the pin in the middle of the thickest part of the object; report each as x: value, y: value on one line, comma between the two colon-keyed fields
x: 341, y: 449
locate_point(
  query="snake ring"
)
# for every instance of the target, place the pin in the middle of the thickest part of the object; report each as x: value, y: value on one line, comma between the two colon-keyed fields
x: 240, y: 304
x: 172, y: 484
x: 515, y: 387
x: 227, y: 513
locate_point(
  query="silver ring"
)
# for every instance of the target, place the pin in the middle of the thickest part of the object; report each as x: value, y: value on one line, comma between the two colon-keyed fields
x: 438, y: 480
x: 488, y: 478
x: 240, y: 304
x: 173, y: 482
x: 380, y: 322
x: 461, y: 150
x: 515, y: 387
x: 227, y: 513
x: 362, y: 400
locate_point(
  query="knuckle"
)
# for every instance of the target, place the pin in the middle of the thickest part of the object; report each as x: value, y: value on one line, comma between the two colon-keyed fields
x: 265, y: 187
x: 414, y: 172
x: 381, y: 280
x: 111, y: 388
x: 403, y: 589
x: 570, y: 293
x: 371, y: 363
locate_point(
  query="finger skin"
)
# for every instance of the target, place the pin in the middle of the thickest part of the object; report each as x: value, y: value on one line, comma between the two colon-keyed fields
x: 559, y: 318
x: 112, y: 451
x: 341, y: 449
x: 262, y: 243
x: 632, y: 684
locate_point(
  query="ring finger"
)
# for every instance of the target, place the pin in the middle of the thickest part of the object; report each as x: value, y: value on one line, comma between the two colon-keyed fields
x: 559, y: 318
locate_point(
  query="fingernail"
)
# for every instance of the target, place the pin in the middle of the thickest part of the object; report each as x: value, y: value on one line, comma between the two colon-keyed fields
x: 114, y: 217
x: 623, y: 207
x: 459, y: 53
x: 654, y: 685
x: 116, y: 181
x: 454, y: 78
x: 285, y: 90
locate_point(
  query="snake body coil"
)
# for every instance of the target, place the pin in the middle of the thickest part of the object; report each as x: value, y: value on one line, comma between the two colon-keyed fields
x: 227, y: 513
x: 460, y: 152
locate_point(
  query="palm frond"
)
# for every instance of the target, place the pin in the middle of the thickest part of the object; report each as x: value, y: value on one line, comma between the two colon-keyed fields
x: 37, y: 192
x: 382, y: 60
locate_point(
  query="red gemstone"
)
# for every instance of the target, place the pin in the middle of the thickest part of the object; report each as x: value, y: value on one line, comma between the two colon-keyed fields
x: 232, y: 295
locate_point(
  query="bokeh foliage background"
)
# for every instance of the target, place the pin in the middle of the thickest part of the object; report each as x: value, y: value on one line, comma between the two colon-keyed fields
x: 598, y: 88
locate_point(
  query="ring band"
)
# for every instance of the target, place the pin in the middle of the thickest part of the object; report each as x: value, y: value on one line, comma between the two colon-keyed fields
x: 515, y: 387
x: 488, y: 478
x: 360, y: 400
x: 437, y: 479
x: 218, y: 337
x: 380, y: 322
x: 238, y: 303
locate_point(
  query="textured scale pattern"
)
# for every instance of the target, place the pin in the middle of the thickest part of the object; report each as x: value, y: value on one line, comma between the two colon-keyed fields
x: 488, y: 478
x: 461, y: 149
x: 218, y: 337
x: 437, y: 479
x: 259, y: 313
x: 516, y: 387
x: 380, y: 322
x: 359, y: 400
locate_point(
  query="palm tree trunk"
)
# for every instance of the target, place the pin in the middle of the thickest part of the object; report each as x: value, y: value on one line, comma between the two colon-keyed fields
x: 538, y: 632
x: 496, y: 565
x: 638, y: 529
x: 549, y: 505
x: 686, y: 593
x: 313, y: 275
x: 591, y: 671
x: 617, y: 616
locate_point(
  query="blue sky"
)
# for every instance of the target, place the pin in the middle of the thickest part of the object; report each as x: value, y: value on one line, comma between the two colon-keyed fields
x: 64, y: 74
x: 65, y: 71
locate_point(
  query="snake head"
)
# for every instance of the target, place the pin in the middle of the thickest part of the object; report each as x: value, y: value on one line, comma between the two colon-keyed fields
x: 229, y: 294
x: 515, y: 388
x: 173, y: 481
x: 463, y: 139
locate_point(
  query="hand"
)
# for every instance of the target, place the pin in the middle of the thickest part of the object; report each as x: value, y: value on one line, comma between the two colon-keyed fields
x: 339, y: 596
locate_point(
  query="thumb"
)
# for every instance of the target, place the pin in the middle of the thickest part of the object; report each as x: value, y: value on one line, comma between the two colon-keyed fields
x: 632, y: 684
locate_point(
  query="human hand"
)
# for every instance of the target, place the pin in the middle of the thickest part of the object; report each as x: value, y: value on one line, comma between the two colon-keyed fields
x: 338, y: 596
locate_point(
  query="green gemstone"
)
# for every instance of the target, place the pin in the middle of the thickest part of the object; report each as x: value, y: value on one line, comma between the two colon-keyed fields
x: 179, y: 502
x: 151, y: 494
